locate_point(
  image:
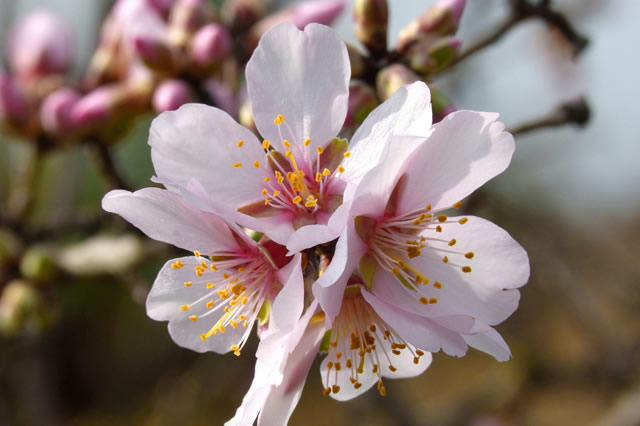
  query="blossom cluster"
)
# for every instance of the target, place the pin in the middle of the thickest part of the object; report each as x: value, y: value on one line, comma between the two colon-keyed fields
x: 345, y: 249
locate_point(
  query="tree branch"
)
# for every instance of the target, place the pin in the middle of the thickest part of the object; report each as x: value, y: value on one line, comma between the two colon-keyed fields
x: 107, y: 166
x: 574, y: 112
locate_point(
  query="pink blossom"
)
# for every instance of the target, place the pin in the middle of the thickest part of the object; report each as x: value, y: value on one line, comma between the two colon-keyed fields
x: 291, y: 186
x: 213, y: 298
x: 439, y: 278
x: 40, y: 45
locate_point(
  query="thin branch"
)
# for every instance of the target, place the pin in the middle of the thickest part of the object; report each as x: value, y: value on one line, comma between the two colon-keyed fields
x: 107, y: 166
x: 575, y: 112
x: 21, y: 197
x: 522, y: 10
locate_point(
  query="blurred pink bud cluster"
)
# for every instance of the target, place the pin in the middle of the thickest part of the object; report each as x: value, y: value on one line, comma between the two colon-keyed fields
x: 152, y: 55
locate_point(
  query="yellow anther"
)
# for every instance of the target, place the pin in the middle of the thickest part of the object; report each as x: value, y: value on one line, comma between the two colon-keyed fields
x: 280, y: 179
x: 210, y: 286
x: 416, y: 360
x: 335, y: 388
x: 226, y: 276
x: 452, y: 242
x: 237, y: 165
x: 457, y: 205
x: 266, y: 144
x: 347, y: 154
x: 196, y: 253
x: 288, y: 154
x: 267, y: 179
x: 210, y: 304
x: 442, y: 218
x: 213, y: 267
x: 340, y: 169
x: 184, y: 307
x: 326, y: 391
x: 428, y: 207
x: 424, y: 301
x: 433, y: 301
x: 419, y: 352
x: 469, y: 255
x: 318, y: 177
x: 466, y: 269
x: 256, y: 164
x: 310, y: 203
x: 239, y: 144
x: 286, y: 143
x: 319, y: 150
x: 392, y: 368
x: 177, y: 265
x: 276, y: 193
x: 188, y: 283
x: 307, y: 142
x: 265, y: 192
x: 437, y: 285
x: 463, y: 221
x: 193, y: 318
x: 199, y: 271
x: 326, y: 172
x: 438, y: 228
x: 297, y: 199
x: 279, y: 119
x: 395, y: 271
x: 445, y: 259
x: 203, y: 337
x: 267, y: 201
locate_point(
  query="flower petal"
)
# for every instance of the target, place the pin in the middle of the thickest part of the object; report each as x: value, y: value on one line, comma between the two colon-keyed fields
x: 490, y: 342
x: 488, y: 293
x: 201, y: 142
x: 289, y: 303
x: 167, y: 217
x: 304, y: 76
x: 466, y: 149
x: 407, y: 112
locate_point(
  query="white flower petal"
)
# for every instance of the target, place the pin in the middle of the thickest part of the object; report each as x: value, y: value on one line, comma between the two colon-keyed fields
x: 491, y: 343
x: 304, y: 76
x: 466, y: 149
x: 201, y: 142
x: 289, y: 303
x: 167, y: 217
x: 407, y: 112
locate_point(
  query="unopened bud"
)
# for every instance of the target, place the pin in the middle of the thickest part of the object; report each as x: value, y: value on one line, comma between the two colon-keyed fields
x: 185, y: 18
x: 13, y: 105
x: 301, y: 15
x: 153, y: 52
x: 37, y: 264
x: 359, y: 63
x: 240, y: 15
x: 440, y: 19
x: 362, y: 100
x: 371, y: 18
x: 432, y: 56
x: 55, y: 112
x: 210, y: 45
x: 39, y: 45
x: 95, y: 107
x: 162, y: 6
x: 441, y: 105
x: 393, y: 77
x: 170, y: 95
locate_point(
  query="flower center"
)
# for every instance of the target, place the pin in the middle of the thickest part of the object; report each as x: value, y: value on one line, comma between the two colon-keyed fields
x: 362, y: 344
x: 301, y: 181
x: 237, y: 287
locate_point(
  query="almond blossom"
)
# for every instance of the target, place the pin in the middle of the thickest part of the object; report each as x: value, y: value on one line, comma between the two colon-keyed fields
x: 444, y: 279
x: 291, y: 185
x: 213, y: 298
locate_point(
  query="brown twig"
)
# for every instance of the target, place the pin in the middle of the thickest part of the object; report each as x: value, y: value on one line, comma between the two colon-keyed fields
x: 575, y: 112
x: 107, y: 166
x: 522, y: 10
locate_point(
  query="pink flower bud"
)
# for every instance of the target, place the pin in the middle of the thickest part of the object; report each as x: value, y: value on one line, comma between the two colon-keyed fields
x: 433, y: 55
x: 370, y: 18
x: 39, y: 45
x: 95, y: 107
x: 170, y: 95
x: 393, y: 77
x: 210, y: 44
x: 153, y: 52
x: 55, y: 112
x: 440, y: 19
x: 162, y: 6
x: 13, y: 105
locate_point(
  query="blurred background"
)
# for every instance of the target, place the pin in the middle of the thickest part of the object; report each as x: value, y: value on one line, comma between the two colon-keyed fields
x: 83, y: 351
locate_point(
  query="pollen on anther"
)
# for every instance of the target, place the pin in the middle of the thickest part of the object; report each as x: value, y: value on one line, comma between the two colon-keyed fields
x: 437, y: 285
x: 196, y: 253
x: 466, y: 269
x: 239, y: 144
x: 445, y: 259
x: 442, y: 218
x: 469, y: 255
x: 213, y: 267
x: 424, y: 300
x: 193, y: 318
x: 428, y: 207
x: 237, y: 165
x: 266, y: 144
x: 347, y: 154
x: 340, y: 169
x: 184, y: 307
x: 319, y: 150
x: 297, y: 199
x: 433, y: 301
x: 452, y: 242
x: 307, y: 142
x: 210, y: 304
x: 438, y: 228
x: 279, y: 119
x: 457, y: 205
x: 286, y: 143
x: 463, y: 221
x: 188, y: 283
x: 256, y: 164
x: 326, y: 172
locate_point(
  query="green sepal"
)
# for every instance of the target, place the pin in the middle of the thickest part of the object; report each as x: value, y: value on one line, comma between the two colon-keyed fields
x: 367, y: 270
x: 265, y: 310
x: 326, y: 341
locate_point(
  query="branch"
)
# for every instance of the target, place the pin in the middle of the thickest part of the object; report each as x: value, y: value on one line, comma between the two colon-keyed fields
x: 107, y: 166
x: 21, y: 196
x: 522, y: 10
x: 575, y: 112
